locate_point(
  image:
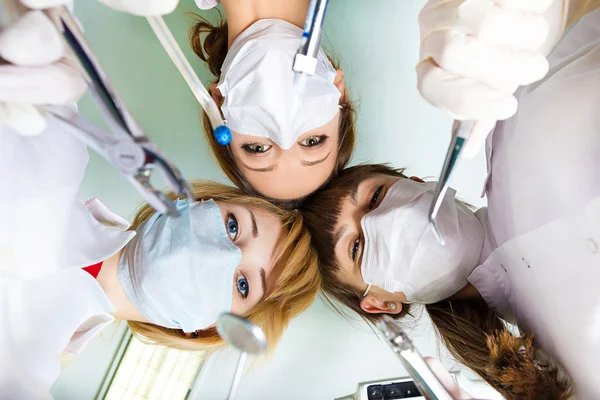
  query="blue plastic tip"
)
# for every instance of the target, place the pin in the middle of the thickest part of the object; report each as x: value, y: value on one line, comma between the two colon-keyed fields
x: 223, y: 135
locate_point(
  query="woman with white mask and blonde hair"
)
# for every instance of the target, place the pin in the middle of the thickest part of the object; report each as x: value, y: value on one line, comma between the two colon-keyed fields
x: 530, y: 257
x: 68, y: 268
x: 286, y: 143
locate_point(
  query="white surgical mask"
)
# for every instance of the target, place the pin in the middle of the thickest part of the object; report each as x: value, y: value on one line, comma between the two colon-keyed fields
x: 401, y: 252
x: 257, y: 84
x: 178, y: 271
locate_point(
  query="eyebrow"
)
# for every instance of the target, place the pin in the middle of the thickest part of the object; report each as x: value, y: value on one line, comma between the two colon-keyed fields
x: 338, y: 235
x: 354, y: 192
x: 263, y: 281
x: 254, y: 226
x: 266, y: 169
x: 311, y: 163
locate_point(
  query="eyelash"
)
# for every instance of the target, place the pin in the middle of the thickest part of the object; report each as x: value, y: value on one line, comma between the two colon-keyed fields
x: 232, y: 219
x: 244, y: 293
x: 355, y: 248
x: 372, y: 204
x: 248, y: 148
x: 375, y: 198
x: 320, y: 142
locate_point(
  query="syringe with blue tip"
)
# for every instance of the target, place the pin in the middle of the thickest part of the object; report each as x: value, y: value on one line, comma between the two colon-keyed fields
x: 221, y: 132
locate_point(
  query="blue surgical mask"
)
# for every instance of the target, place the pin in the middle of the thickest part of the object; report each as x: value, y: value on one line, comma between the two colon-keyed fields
x: 178, y: 271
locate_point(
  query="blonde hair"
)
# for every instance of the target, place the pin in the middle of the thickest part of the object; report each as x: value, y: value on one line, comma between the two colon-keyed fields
x: 294, y: 292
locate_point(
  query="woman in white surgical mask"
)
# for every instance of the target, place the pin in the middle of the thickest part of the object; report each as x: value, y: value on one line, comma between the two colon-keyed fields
x: 530, y: 257
x: 378, y: 256
x: 285, y: 144
x: 68, y: 269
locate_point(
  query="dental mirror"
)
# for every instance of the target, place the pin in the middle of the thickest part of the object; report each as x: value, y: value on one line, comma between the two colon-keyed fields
x: 244, y: 336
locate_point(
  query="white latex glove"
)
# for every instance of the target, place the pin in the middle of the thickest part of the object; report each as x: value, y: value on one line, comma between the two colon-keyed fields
x: 476, y: 53
x: 143, y: 8
x: 38, y: 74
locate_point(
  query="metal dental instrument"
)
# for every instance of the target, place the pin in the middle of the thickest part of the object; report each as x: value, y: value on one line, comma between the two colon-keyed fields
x: 221, y: 132
x: 428, y: 384
x: 305, y: 61
x: 126, y: 147
x: 461, y: 130
x: 244, y: 336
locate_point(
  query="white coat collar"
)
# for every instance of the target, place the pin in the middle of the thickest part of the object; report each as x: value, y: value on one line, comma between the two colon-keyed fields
x: 95, y: 233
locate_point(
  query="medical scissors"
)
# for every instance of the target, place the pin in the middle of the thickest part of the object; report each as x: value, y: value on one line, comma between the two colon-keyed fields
x: 126, y: 147
x: 305, y: 61
x: 429, y: 385
x: 461, y: 130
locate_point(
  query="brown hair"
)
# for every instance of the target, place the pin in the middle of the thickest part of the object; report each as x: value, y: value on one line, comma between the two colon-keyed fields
x: 213, y: 50
x: 294, y: 292
x: 473, y: 333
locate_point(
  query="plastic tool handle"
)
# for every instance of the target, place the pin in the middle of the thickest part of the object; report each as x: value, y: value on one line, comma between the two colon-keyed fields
x: 161, y: 30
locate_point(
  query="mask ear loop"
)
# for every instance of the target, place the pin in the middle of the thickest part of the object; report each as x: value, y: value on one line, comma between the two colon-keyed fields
x: 368, y: 288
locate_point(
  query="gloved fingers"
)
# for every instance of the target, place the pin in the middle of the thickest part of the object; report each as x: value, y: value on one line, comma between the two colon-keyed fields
x: 529, y: 6
x: 57, y: 83
x: 22, y: 118
x: 42, y: 4
x: 464, y: 98
x: 488, y: 22
x: 500, y: 67
x: 31, y: 41
x: 480, y: 132
x: 495, y: 25
x: 143, y: 8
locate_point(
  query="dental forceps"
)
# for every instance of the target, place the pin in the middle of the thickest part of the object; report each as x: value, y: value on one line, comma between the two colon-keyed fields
x: 126, y: 147
x: 429, y: 385
x: 461, y: 130
x: 221, y: 132
x: 305, y: 61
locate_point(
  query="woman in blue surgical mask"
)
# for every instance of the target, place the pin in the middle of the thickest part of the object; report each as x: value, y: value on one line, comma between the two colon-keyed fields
x: 285, y: 145
x: 68, y: 269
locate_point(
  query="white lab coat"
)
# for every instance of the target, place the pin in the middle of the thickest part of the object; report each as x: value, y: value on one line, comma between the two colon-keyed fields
x: 543, y: 191
x: 48, y: 304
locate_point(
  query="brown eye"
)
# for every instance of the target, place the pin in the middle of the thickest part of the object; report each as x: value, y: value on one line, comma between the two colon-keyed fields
x: 313, y: 141
x: 355, y: 249
x: 375, y: 198
x: 256, y: 148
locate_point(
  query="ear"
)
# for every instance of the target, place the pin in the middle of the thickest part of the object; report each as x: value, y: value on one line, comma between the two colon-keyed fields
x: 417, y: 179
x: 340, y: 83
x: 371, y: 305
x: 216, y: 94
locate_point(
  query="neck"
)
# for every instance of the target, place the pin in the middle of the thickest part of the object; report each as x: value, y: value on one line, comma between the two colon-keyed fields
x: 108, y: 279
x: 240, y: 14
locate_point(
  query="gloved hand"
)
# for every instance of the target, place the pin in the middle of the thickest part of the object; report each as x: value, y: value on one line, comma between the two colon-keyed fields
x: 39, y: 71
x: 143, y: 8
x: 476, y: 53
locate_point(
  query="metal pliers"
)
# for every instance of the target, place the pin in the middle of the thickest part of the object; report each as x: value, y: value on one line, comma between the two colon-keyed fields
x: 126, y: 146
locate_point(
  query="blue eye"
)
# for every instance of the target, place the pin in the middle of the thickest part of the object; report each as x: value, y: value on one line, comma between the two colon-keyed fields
x: 243, y: 286
x: 232, y: 227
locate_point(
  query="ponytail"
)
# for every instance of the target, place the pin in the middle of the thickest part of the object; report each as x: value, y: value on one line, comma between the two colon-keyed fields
x: 513, y: 365
x: 213, y: 48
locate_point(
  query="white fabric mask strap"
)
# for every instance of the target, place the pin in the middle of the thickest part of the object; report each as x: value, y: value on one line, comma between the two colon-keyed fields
x: 368, y: 288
